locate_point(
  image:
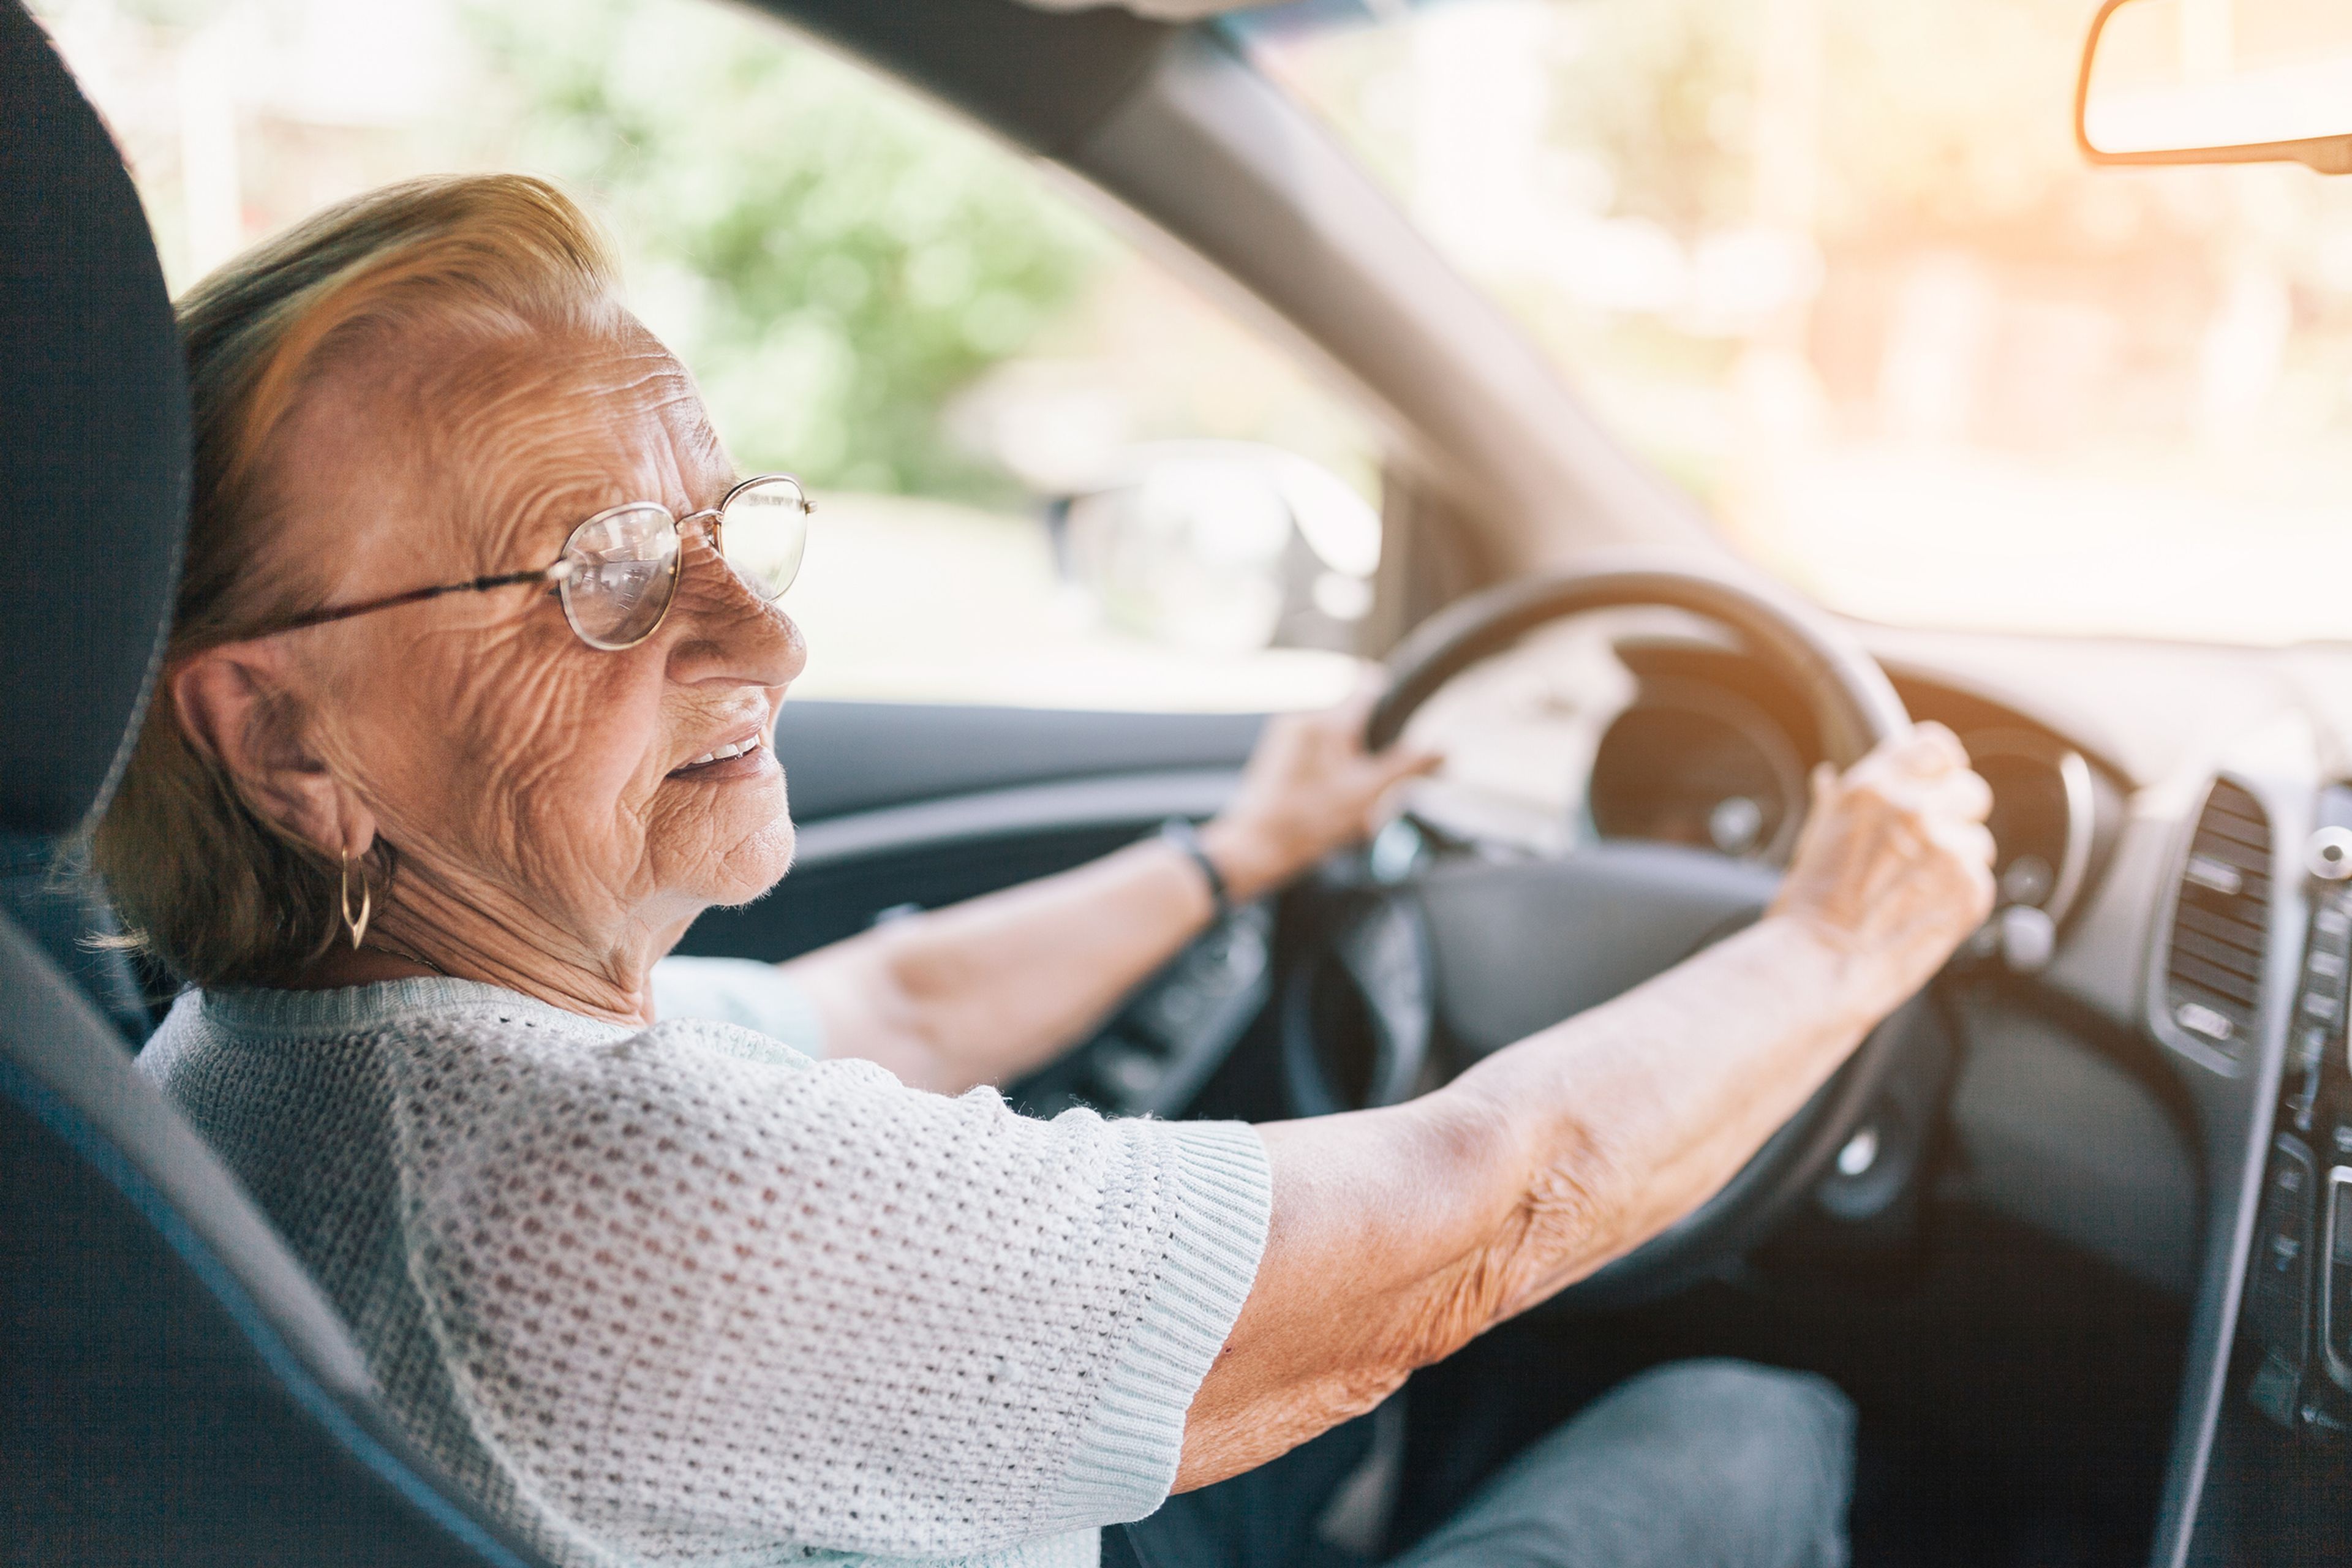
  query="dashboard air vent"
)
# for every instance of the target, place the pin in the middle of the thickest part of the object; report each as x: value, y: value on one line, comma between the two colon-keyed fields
x: 2213, y: 977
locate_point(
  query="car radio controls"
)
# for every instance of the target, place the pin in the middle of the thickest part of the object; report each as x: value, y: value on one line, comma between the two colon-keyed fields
x: 2336, y: 1289
x: 2327, y: 853
x: 2308, y: 1070
x: 2278, y: 1297
x: 2321, y: 998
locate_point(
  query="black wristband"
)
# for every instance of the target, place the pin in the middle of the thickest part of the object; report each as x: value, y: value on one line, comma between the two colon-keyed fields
x: 1180, y: 831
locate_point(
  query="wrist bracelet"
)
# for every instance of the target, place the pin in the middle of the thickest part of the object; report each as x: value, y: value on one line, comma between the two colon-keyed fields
x: 1180, y: 831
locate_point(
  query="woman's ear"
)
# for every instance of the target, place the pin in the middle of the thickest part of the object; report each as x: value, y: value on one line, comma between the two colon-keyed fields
x: 234, y: 707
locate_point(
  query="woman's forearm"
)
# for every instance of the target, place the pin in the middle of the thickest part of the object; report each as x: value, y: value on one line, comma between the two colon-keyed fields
x: 986, y: 990
x: 1398, y: 1235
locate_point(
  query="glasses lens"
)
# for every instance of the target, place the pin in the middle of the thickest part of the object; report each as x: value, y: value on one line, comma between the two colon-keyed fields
x: 623, y: 570
x: 764, y: 531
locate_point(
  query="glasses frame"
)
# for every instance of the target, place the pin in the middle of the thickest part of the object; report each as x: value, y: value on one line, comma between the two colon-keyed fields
x: 562, y: 569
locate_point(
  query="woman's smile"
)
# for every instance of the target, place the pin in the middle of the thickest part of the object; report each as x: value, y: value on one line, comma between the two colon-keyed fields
x: 744, y: 757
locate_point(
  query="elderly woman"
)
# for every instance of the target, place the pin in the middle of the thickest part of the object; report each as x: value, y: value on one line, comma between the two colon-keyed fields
x: 466, y: 717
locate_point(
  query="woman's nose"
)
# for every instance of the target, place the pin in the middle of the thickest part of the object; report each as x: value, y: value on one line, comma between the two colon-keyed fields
x: 727, y: 631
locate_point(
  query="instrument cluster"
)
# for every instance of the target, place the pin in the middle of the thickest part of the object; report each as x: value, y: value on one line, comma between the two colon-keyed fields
x: 1661, y: 731
x: 1701, y: 765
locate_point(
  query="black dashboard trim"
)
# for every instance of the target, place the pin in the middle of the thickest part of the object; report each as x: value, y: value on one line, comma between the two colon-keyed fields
x: 1132, y: 800
x: 2234, y: 1113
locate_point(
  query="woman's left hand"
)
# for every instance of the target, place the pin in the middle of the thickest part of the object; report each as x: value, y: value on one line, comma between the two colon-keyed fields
x: 1311, y: 787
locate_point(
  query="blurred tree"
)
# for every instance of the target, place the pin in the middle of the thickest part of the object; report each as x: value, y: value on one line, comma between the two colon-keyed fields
x: 1662, y: 89
x: 832, y: 259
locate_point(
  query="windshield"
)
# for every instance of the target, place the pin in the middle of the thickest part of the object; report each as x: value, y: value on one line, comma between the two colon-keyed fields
x: 1835, y: 267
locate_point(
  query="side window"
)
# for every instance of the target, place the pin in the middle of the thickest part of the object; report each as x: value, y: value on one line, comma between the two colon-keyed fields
x: 1046, y: 472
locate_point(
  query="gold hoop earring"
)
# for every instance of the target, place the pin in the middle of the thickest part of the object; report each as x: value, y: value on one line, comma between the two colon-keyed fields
x: 356, y: 924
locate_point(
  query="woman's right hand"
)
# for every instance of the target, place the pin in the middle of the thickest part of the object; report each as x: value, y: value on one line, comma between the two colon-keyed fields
x: 1398, y: 1234
x: 1893, y: 867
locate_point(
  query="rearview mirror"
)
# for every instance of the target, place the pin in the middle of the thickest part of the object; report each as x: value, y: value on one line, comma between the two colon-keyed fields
x: 2217, y: 81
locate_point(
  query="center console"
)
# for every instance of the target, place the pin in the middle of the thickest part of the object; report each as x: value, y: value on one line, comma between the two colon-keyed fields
x: 2298, y: 1305
x: 2269, y: 1459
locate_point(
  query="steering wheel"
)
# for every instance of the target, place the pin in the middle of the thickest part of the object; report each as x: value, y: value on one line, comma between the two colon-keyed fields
x: 1448, y: 966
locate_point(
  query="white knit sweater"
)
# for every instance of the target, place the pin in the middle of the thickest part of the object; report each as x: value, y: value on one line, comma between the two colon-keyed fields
x: 686, y: 1294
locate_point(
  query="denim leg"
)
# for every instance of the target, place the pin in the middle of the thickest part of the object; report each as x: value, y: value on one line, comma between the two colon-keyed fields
x: 1702, y: 1464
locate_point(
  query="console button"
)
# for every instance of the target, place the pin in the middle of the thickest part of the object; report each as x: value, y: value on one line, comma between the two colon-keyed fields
x: 2278, y: 1296
x: 2335, y: 1301
x: 2274, y: 1387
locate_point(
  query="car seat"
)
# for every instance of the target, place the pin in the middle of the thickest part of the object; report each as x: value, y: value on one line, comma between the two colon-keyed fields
x: 173, y: 1388
x: 58, y: 905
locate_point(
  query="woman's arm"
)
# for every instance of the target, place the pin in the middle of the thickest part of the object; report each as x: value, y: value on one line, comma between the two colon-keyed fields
x: 986, y: 990
x: 1399, y: 1234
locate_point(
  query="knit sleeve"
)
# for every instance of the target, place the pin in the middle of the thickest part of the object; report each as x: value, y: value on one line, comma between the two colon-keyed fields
x: 701, y: 1304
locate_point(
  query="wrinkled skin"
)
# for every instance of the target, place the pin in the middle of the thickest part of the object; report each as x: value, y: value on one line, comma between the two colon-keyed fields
x: 546, y: 841
x: 549, y: 837
x: 1399, y: 1234
x: 528, y: 782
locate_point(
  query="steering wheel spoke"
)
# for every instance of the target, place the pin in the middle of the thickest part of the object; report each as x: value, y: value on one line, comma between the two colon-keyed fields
x: 1516, y: 948
x: 1504, y: 930
x: 1359, y: 1019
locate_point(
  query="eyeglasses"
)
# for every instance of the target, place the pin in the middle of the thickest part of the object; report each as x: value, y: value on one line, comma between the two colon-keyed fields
x: 619, y: 570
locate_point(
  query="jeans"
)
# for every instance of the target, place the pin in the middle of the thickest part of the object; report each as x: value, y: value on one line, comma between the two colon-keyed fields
x: 1700, y: 1464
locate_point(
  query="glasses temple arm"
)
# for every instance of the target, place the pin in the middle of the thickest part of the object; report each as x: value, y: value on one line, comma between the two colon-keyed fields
x: 414, y: 596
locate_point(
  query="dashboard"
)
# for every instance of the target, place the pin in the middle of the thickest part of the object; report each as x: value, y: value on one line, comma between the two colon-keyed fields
x: 1708, y: 753
x: 1659, y: 729
x: 1692, y: 762
x: 1708, y: 750
x: 2148, y: 1060
x: 2155, y: 1063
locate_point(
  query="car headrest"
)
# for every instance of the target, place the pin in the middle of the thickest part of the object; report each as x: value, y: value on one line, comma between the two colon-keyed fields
x: 93, y: 443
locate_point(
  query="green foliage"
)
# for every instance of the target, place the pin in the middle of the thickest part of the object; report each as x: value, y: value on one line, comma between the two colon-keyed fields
x: 833, y: 260
x: 1662, y: 90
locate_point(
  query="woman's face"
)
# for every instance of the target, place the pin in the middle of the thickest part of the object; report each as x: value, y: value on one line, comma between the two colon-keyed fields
x: 521, y: 775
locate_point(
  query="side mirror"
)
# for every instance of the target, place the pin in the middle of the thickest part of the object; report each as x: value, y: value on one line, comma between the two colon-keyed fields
x: 1223, y: 547
x: 2217, y: 81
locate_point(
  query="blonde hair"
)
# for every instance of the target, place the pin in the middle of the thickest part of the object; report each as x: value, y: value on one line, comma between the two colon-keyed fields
x: 206, y: 884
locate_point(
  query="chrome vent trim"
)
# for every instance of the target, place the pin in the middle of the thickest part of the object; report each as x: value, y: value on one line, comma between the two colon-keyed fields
x: 2220, y: 924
